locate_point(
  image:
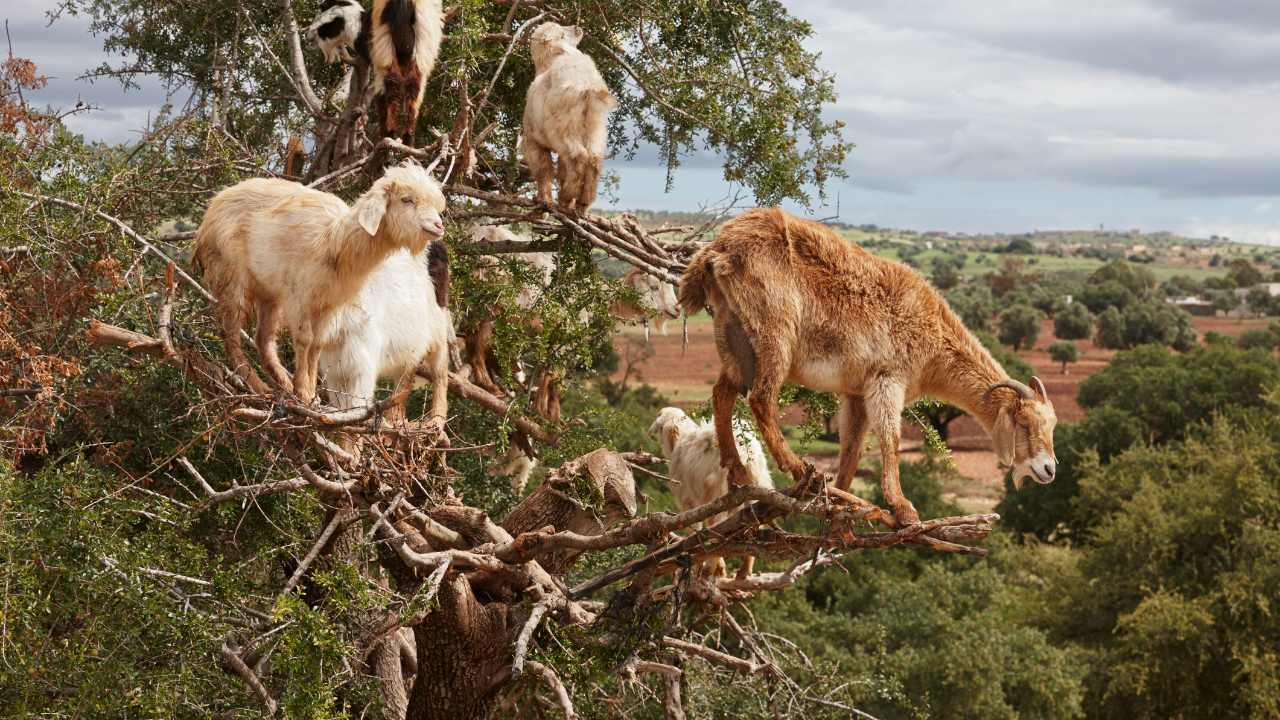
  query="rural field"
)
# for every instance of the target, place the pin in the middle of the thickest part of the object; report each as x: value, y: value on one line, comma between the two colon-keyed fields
x: 684, y: 376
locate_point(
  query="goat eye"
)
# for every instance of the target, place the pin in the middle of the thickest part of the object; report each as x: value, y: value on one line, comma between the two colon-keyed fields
x: 407, y: 200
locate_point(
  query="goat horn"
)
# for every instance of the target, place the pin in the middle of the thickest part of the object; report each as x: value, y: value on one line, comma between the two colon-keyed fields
x: 1039, y: 388
x: 1023, y: 391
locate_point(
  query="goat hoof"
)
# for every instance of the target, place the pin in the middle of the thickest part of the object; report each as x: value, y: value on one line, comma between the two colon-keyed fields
x: 906, y: 515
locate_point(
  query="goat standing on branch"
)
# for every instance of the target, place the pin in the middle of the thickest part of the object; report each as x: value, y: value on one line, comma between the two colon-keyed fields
x: 564, y: 113
x: 295, y: 256
x: 794, y: 302
x: 398, y: 321
x: 694, y: 464
x: 404, y: 42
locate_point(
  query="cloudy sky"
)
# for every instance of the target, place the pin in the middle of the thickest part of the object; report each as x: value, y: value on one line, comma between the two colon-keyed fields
x: 1004, y: 115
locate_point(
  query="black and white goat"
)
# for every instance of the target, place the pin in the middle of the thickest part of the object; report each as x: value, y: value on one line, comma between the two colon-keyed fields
x: 341, y: 31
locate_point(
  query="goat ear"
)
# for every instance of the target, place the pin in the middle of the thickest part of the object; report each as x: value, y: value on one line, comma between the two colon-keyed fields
x: 1002, y: 436
x: 369, y: 210
x: 575, y: 34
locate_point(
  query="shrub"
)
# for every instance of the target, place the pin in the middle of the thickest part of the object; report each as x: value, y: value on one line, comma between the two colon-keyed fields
x: 1075, y: 322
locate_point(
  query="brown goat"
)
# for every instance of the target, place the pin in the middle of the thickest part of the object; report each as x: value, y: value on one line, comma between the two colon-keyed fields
x: 794, y: 302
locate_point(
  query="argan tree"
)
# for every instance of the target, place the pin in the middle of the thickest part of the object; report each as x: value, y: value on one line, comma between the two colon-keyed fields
x: 176, y: 545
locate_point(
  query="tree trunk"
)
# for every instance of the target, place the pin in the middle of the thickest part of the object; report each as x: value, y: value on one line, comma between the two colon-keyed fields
x: 463, y: 650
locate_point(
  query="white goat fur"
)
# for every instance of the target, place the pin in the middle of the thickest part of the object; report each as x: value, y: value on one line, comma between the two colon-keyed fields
x: 393, y: 326
x: 295, y: 256
x: 693, y: 461
x: 565, y: 113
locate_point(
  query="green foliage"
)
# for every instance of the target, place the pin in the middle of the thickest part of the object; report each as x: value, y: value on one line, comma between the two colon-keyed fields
x: 1064, y: 351
x: 735, y: 78
x: 1020, y: 326
x: 974, y: 304
x: 1097, y: 297
x: 1074, y: 322
x: 1176, y: 588
x: 1169, y: 393
x: 1149, y: 321
x: 1243, y: 273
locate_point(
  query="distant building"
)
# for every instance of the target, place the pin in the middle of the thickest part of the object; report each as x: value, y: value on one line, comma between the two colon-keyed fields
x: 1194, y: 304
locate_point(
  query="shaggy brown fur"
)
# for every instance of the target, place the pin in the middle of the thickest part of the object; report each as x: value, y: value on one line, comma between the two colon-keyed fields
x: 404, y: 43
x: 794, y: 302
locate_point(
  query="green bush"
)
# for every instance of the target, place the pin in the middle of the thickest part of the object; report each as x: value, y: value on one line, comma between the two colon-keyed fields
x: 1020, y: 326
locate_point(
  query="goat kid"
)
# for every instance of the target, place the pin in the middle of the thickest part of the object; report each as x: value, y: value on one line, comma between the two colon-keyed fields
x: 693, y: 462
x: 795, y: 303
x: 294, y: 256
x: 404, y: 43
x: 564, y: 113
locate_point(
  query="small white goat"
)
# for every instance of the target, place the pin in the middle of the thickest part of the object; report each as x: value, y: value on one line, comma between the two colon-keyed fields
x: 565, y: 113
x: 295, y: 256
x: 657, y: 302
x: 693, y: 461
x: 397, y: 322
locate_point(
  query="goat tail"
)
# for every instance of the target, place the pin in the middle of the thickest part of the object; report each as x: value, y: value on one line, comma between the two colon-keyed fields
x: 698, y: 279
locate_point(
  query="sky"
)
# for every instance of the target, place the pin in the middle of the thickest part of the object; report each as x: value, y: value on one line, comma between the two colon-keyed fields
x: 998, y: 116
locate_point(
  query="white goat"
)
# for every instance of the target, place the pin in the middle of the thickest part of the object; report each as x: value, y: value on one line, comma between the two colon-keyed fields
x: 395, y: 324
x: 565, y: 113
x: 657, y: 302
x: 693, y: 461
x: 296, y: 255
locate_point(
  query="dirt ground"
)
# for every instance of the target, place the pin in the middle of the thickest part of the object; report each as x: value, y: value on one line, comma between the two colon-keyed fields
x: 685, y: 375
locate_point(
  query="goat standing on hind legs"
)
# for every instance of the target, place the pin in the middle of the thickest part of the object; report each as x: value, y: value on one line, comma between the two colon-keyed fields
x: 404, y: 43
x: 794, y: 302
x: 564, y: 113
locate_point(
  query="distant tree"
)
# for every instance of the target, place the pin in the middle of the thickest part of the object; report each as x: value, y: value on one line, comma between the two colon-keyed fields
x: 1244, y: 273
x: 1138, y: 280
x: 974, y: 304
x: 1064, y: 351
x: 1258, y: 340
x: 1019, y: 326
x: 1020, y: 246
x: 945, y: 276
x: 1224, y: 301
x: 1109, y: 293
x: 1074, y: 322
x: 1260, y: 301
x: 1110, y: 332
x: 1180, y: 286
x: 1009, y: 278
